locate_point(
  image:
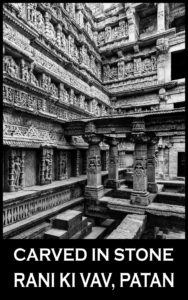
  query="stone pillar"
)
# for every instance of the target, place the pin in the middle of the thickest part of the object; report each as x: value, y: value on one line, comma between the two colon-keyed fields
x: 11, y: 171
x: 163, y: 61
x: 59, y: 31
x: 94, y: 189
x: 113, y: 174
x: 47, y: 17
x: 80, y: 19
x: 139, y: 195
x: 106, y: 159
x: 151, y: 163
x: 61, y: 92
x: 132, y: 28
x: 77, y: 162
x: 22, y: 169
x: 160, y: 17
x: 46, y: 166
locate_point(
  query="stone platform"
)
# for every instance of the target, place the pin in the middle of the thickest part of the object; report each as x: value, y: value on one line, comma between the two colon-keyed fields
x: 131, y: 227
x: 160, y: 209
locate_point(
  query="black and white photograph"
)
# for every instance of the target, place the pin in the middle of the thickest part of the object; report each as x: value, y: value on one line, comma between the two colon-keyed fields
x: 93, y: 145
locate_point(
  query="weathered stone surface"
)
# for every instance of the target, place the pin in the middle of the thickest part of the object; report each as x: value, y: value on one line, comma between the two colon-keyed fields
x: 68, y: 220
x: 113, y: 72
x: 131, y: 227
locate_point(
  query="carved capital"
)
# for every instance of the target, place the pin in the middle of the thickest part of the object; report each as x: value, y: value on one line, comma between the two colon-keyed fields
x: 92, y: 139
x: 138, y: 138
x: 162, y: 46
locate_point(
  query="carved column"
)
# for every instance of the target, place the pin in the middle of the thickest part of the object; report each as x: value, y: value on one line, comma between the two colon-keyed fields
x: 61, y: 92
x: 121, y: 69
x: 160, y: 17
x: 94, y: 189
x: 132, y: 30
x: 46, y: 166
x: 22, y: 169
x: 113, y: 175
x: 151, y: 163
x: 139, y: 195
x: 47, y: 20
x: 77, y: 162
x: 80, y: 18
x: 59, y: 30
x: 163, y: 61
x: 11, y: 171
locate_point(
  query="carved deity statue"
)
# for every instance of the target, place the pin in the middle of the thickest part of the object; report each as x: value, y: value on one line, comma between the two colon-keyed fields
x: 10, y: 66
x: 107, y: 34
x: 139, y: 174
x: 33, y: 79
x: 25, y: 72
x: 47, y: 167
x: 40, y: 22
x: 17, y: 171
x: 82, y: 99
x: 51, y: 32
x: 53, y: 90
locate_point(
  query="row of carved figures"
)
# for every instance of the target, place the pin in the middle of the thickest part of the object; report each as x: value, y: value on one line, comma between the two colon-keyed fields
x: 111, y: 34
x: 130, y: 69
x: 25, y: 71
x: 59, y: 37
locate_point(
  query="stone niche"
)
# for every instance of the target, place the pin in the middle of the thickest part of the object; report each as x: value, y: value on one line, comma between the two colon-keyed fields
x: 148, y: 22
x: 31, y: 168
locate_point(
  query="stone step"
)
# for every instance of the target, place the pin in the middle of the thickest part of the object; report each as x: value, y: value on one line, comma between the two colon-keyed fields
x: 83, y: 232
x: 78, y: 227
x: 154, y: 208
x: 170, y: 198
x: 34, y: 232
x: 21, y: 226
x: 55, y: 233
x: 96, y: 233
x: 107, y: 222
x: 68, y: 220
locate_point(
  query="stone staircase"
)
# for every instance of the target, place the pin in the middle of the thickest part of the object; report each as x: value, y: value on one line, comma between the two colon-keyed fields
x: 70, y: 224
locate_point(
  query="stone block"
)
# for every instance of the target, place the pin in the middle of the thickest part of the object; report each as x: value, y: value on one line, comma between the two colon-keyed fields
x: 67, y: 220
